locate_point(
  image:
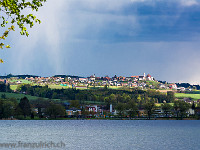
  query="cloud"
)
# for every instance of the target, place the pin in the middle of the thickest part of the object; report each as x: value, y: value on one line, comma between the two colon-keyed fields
x: 189, y: 3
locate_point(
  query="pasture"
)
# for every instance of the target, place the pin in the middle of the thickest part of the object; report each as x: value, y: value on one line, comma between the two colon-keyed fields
x: 183, y: 95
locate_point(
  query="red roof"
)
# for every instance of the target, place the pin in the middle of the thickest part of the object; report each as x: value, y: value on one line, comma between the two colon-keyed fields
x: 134, y: 76
x: 148, y: 75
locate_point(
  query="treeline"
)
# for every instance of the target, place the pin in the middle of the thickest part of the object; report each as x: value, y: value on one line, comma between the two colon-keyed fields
x: 100, y: 95
x: 47, y: 109
x: 24, y: 109
x: 178, y: 110
x: 17, y: 76
x: 187, y: 85
x: 5, y: 87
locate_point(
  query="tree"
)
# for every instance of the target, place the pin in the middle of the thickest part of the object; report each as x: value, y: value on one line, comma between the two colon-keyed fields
x: 181, y: 107
x: 107, y: 101
x: 25, y: 107
x: 74, y: 104
x: 8, y: 109
x: 149, y: 108
x: 120, y: 107
x: 132, y: 108
x: 112, y: 98
x: 41, y: 104
x: 170, y: 96
x: 139, y: 101
x: 55, y: 110
x: 13, y: 14
x: 1, y: 109
x: 3, y: 96
x: 4, y: 87
x: 166, y: 108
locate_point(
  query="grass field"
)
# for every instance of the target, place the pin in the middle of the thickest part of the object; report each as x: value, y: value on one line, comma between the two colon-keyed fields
x: 159, y: 104
x: 18, y: 96
x: 13, y: 87
x: 193, y: 96
x: 22, y: 80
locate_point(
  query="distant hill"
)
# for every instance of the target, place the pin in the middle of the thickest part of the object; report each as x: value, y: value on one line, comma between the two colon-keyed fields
x: 19, y: 76
x: 64, y: 76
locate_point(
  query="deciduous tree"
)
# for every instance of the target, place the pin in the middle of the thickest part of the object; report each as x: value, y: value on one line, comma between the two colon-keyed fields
x: 120, y: 107
x: 149, y: 108
x: 15, y: 13
x: 55, y: 110
x: 166, y: 108
x: 132, y: 108
x: 25, y: 107
x: 181, y: 107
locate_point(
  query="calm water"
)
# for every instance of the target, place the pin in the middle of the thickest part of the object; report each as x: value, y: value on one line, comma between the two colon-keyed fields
x: 104, y: 134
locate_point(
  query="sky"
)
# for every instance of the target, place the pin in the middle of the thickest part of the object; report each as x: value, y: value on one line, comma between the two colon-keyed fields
x: 110, y: 37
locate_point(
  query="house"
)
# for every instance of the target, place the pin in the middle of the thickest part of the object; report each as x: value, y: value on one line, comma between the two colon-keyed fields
x: 92, y: 78
x: 92, y: 108
x: 134, y: 84
x: 181, y: 89
x: 82, y: 80
x: 124, y: 84
x: 173, y: 86
x: 140, y: 78
x: 73, y: 112
x: 149, y: 77
x: 141, y: 113
x: 135, y: 78
x: 64, y: 84
x: 190, y: 111
x: 162, y: 86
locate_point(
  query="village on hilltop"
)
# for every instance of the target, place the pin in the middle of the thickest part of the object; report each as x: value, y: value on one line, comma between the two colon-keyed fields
x: 66, y: 81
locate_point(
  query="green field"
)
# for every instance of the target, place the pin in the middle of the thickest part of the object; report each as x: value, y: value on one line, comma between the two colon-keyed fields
x: 13, y: 87
x: 159, y: 104
x: 193, y: 96
x: 22, y: 80
x: 18, y: 96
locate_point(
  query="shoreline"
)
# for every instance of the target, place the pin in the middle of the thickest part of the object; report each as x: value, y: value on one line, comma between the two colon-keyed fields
x: 106, y: 119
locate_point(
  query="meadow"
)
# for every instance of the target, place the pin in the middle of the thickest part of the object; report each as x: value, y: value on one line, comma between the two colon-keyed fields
x: 18, y: 96
x: 182, y: 95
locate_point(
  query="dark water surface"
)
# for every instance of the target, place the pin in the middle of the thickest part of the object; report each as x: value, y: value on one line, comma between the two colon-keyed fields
x: 102, y: 134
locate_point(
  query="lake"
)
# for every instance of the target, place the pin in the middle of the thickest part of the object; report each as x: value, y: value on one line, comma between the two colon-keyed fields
x: 100, y: 134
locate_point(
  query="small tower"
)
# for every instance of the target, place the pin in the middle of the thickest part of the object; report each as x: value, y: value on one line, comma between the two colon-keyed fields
x: 110, y: 108
x: 144, y: 76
